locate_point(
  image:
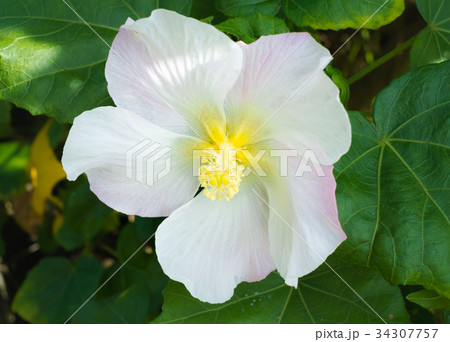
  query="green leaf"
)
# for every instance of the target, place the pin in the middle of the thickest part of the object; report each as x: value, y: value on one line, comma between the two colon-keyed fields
x: 57, y: 133
x: 128, y: 307
x: 51, y: 62
x: 429, y: 299
x: 338, y: 15
x: 55, y: 289
x: 135, y: 293
x: 13, y: 168
x: 202, y: 9
x: 46, y: 237
x: 250, y: 28
x: 146, y: 226
x: 393, y: 184
x: 5, y: 119
x: 446, y: 317
x: 85, y: 218
x: 142, y: 269
x: 340, y: 81
x: 432, y: 44
x: 207, y: 20
x: 321, y: 297
x: 242, y: 8
x: 180, y: 6
x: 128, y: 243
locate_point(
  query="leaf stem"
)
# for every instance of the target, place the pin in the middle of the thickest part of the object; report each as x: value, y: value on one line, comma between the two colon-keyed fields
x: 381, y: 61
x: 109, y: 250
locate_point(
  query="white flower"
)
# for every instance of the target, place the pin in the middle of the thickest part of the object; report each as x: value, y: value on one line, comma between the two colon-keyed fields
x: 185, y: 85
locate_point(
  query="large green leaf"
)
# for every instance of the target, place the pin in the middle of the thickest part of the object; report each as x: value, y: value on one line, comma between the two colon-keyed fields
x: 85, y: 217
x: 338, y: 15
x: 51, y: 62
x: 13, y: 166
x: 321, y: 297
x: 432, y: 44
x: 393, y: 184
x: 55, y: 289
x: 250, y: 28
x: 242, y: 8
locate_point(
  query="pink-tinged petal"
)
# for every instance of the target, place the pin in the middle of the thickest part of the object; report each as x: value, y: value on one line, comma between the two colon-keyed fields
x: 211, y: 246
x: 304, y: 228
x: 102, y: 141
x: 283, y: 93
x: 173, y: 70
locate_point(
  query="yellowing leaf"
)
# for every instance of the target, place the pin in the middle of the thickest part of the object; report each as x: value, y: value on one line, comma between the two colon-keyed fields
x: 25, y: 215
x: 45, y: 170
x: 57, y: 223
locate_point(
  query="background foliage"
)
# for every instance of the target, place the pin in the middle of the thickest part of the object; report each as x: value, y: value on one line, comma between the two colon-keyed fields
x: 59, y: 243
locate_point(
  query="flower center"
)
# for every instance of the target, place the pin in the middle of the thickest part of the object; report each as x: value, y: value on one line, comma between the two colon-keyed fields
x: 220, y: 173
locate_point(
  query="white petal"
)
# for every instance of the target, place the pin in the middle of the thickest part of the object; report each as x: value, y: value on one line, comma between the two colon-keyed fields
x: 315, y: 119
x: 211, y: 246
x: 99, y: 143
x: 304, y: 228
x: 173, y: 70
x: 284, y: 94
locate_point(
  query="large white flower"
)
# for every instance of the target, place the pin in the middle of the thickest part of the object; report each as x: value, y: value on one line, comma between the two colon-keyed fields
x: 181, y: 83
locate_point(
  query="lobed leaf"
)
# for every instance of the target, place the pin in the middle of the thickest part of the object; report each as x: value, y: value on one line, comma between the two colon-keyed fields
x: 321, y: 297
x: 432, y: 44
x: 393, y: 185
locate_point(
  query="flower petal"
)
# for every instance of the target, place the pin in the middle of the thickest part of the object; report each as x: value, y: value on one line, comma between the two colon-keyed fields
x: 284, y: 94
x: 304, y: 228
x: 173, y: 70
x: 103, y: 140
x: 316, y: 120
x: 211, y: 246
